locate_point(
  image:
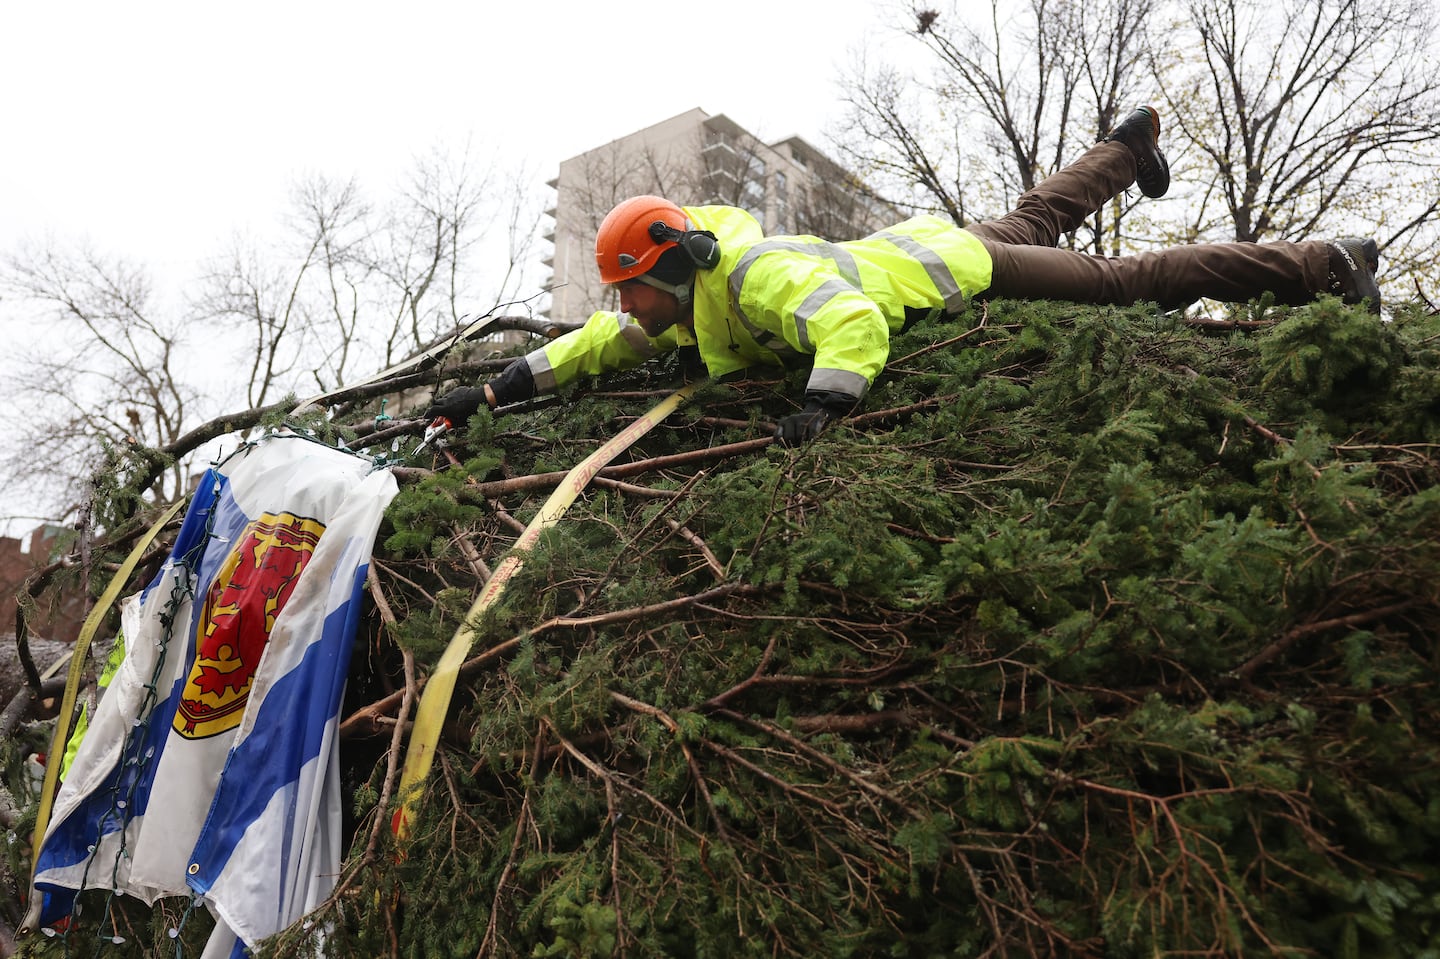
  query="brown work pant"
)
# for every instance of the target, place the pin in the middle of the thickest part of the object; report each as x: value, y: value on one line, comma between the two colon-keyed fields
x: 1027, y: 265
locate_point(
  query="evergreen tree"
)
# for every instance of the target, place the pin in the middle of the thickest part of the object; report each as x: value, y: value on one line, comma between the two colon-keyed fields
x: 1099, y: 633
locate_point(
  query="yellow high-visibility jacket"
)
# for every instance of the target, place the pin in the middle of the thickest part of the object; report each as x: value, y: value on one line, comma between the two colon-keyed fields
x: 781, y: 300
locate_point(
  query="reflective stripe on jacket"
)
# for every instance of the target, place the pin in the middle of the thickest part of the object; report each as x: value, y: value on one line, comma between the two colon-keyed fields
x: 786, y: 299
x: 607, y: 341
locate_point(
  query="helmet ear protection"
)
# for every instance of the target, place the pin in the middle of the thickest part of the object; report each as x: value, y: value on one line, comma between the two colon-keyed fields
x: 700, y: 246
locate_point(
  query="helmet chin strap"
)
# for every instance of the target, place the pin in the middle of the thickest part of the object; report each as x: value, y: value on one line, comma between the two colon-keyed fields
x: 681, y: 291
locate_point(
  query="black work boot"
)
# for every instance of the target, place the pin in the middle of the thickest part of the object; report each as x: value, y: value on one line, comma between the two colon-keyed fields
x: 1353, y: 263
x: 1140, y: 131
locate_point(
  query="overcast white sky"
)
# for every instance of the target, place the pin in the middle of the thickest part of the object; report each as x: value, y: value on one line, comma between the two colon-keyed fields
x: 159, y: 130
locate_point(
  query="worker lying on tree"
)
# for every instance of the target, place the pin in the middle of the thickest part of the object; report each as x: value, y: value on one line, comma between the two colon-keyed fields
x: 708, y: 277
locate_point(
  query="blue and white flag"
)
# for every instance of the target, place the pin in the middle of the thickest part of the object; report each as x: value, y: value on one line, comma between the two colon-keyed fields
x: 210, y: 767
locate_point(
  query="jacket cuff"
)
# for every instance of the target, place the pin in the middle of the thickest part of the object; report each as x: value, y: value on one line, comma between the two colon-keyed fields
x: 837, y: 403
x: 838, y: 383
x: 515, y: 383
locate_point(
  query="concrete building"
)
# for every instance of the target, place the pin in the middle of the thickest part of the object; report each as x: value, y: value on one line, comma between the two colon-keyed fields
x: 695, y: 159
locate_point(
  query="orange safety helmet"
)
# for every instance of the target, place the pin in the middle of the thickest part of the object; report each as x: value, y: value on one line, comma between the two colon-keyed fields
x: 625, y: 248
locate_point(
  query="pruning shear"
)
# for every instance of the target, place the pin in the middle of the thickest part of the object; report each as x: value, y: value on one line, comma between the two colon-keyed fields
x: 434, y: 435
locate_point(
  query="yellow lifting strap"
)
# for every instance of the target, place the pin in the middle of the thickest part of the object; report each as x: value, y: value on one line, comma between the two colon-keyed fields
x: 435, y: 700
x: 77, y: 671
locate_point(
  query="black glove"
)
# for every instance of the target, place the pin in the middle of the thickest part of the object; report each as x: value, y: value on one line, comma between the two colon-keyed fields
x: 457, y: 406
x: 821, y: 406
x: 798, y: 428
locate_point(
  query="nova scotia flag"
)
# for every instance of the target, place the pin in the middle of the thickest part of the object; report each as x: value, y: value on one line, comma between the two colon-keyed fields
x: 210, y: 766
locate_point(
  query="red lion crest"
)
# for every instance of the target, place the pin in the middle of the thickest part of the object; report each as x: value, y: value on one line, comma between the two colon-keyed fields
x: 234, y: 623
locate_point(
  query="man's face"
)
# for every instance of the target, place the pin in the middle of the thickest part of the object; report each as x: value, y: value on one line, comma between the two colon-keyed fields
x: 655, y: 310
